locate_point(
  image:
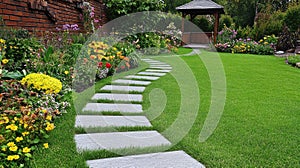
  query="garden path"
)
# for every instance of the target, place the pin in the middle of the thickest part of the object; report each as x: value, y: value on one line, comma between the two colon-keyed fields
x: 124, y: 97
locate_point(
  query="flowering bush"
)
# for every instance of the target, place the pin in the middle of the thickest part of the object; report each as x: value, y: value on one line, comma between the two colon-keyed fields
x: 26, y: 118
x: 227, y: 34
x: 42, y: 82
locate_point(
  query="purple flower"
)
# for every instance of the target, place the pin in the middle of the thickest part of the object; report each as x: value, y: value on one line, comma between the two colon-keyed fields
x: 221, y: 32
x: 66, y: 27
x: 58, y: 29
x: 74, y: 27
x: 92, y: 14
x: 96, y: 20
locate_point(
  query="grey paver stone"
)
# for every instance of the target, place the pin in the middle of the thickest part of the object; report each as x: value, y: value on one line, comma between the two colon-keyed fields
x: 174, y: 159
x: 86, y: 121
x: 111, y: 107
x: 131, y: 82
x: 141, y: 77
x: 152, y: 73
x: 158, y: 70
x: 123, y: 88
x: 119, y: 140
x: 118, y: 97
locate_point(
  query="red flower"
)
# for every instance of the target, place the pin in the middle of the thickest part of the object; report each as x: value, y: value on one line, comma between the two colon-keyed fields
x: 100, y: 65
x: 108, y: 65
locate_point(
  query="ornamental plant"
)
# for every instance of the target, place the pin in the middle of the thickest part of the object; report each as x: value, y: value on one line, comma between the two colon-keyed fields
x: 42, y: 82
x: 26, y: 119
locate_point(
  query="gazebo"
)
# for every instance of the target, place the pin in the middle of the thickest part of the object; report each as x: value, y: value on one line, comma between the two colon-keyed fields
x: 202, y: 7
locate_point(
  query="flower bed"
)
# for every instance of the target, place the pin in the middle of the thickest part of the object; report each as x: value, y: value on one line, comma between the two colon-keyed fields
x: 26, y: 118
x: 227, y: 42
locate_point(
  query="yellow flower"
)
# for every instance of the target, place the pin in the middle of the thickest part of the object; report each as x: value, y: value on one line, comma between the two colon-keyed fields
x: 18, y: 139
x: 25, y: 133
x: 119, y: 53
x: 13, y: 157
x: 44, y: 110
x: 2, y: 41
x: 13, y: 127
x: 265, y: 38
x: 6, y: 120
x: 11, y: 144
x: 13, y: 148
x: 50, y: 126
x: 3, y: 149
x: 46, y: 145
x: 10, y: 157
x: 5, y: 61
x: 66, y: 72
x: 26, y: 150
x: 266, y: 43
x: 49, y: 118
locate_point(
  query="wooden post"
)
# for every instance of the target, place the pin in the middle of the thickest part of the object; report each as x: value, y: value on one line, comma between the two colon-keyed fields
x: 182, y: 28
x: 216, y: 26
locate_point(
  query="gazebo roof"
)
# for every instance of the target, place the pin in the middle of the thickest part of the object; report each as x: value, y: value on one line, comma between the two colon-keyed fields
x: 201, y: 7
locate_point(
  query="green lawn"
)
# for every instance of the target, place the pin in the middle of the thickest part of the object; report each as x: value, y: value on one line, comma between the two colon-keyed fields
x: 260, y: 122
x: 259, y: 126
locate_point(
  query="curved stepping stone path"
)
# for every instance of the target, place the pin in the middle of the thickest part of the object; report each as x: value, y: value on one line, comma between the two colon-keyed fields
x: 121, y: 103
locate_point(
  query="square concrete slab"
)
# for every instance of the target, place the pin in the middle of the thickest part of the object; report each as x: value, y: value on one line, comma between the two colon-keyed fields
x: 110, y: 107
x: 141, y: 77
x: 119, y: 140
x: 86, y: 121
x: 152, y: 73
x: 176, y: 159
x: 131, y: 82
x: 123, y: 88
x: 118, y: 97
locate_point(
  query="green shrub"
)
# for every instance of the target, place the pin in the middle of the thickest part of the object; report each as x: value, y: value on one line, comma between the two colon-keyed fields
x: 293, y: 60
x: 203, y: 23
x: 19, y: 52
x: 225, y: 20
x: 292, y: 18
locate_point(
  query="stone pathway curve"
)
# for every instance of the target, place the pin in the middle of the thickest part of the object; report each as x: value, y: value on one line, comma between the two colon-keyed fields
x: 126, y: 97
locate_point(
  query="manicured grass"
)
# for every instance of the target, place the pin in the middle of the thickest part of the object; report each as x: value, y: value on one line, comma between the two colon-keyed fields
x: 259, y: 124
x: 182, y: 51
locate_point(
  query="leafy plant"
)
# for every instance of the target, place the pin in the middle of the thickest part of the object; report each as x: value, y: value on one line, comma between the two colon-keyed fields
x: 292, y: 18
x: 26, y: 118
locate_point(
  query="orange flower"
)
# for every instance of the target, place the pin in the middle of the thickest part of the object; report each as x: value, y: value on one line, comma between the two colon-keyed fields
x: 92, y: 57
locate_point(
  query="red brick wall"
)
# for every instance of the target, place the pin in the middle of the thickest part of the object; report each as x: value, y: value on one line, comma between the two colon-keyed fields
x: 19, y: 14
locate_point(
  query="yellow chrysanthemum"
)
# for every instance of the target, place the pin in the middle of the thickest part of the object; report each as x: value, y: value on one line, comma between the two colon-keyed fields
x: 26, y: 150
x: 42, y: 82
x: 66, y: 72
x: 46, y: 145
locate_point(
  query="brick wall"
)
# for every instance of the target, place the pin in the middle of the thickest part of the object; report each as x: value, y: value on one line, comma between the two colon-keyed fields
x: 39, y: 16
